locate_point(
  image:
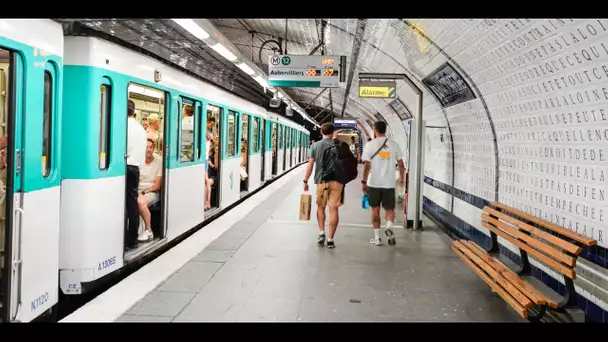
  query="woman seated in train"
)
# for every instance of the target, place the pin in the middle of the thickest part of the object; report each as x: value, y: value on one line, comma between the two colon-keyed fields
x: 150, y: 179
x: 211, y: 171
x: 243, y: 159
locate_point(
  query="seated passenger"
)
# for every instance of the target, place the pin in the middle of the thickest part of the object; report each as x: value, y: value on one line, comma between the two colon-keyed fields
x: 153, y: 132
x: 211, y: 172
x: 150, y: 175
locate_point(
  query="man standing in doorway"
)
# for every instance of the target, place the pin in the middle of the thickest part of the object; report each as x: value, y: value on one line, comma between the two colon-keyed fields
x: 329, y: 192
x: 381, y: 154
x: 136, y: 156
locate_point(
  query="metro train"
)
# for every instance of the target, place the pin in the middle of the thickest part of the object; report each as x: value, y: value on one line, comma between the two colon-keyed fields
x: 63, y: 106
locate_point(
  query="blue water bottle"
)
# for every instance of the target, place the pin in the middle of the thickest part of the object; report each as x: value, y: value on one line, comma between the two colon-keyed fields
x: 365, y: 201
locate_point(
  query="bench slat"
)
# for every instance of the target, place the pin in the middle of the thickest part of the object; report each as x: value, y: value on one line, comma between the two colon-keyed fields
x: 545, y: 259
x: 570, y: 247
x: 513, y: 291
x: 554, y: 253
x: 563, y: 231
x: 507, y: 273
x: 512, y: 302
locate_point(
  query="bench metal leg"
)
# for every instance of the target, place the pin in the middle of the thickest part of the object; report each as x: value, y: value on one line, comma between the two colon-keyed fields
x: 569, y: 298
x: 535, y: 318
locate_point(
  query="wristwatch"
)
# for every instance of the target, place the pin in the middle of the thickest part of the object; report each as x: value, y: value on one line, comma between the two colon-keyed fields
x: 363, y: 182
x: 305, y: 181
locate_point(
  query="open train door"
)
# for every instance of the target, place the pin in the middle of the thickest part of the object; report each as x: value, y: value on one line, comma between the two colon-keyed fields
x: 30, y: 210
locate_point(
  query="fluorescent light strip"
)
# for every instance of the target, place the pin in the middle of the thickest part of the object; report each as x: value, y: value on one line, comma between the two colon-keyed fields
x: 261, y: 81
x: 219, y: 48
x: 243, y: 66
x: 190, y: 26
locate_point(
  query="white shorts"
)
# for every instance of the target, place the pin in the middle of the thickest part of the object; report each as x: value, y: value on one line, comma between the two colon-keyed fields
x: 151, y: 198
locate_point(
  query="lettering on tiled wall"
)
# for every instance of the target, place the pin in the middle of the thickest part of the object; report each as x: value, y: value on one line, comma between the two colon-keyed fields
x: 545, y: 83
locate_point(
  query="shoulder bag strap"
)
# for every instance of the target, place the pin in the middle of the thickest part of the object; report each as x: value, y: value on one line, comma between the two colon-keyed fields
x: 383, y: 144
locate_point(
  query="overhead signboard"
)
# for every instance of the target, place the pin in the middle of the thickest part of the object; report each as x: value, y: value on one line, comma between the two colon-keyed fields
x: 400, y: 109
x: 306, y: 71
x: 342, y: 123
x: 377, y: 89
x: 448, y: 86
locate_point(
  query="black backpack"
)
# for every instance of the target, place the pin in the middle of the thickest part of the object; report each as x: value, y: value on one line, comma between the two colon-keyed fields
x: 338, y: 164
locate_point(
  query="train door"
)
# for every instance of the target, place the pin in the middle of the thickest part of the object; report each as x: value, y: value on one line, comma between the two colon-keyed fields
x: 275, y: 148
x: 9, y: 189
x: 150, y: 112
x: 214, y: 121
x: 262, y: 127
x: 245, y: 142
x: 284, y: 142
x: 29, y: 188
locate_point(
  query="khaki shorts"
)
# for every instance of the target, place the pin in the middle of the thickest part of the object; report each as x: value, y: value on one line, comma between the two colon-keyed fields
x: 331, y: 193
x: 152, y: 197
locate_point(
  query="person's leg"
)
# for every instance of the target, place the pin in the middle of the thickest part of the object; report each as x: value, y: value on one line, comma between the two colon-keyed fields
x: 388, y: 203
x: 132, y: 208
x: 321, y: 203
x: 335, y: 199
x: 375, y: 198
x: 142, y: 204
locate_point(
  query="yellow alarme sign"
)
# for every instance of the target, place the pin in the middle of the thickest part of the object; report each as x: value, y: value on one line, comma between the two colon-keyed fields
x: 378, y: 92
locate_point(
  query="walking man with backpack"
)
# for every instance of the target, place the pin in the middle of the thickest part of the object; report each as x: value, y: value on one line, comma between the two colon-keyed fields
x: 381, y: 154
x: 333, y: 164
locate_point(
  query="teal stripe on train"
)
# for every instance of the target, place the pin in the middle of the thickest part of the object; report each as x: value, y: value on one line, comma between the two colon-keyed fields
x: 30, y: 67
x: 81, y: 122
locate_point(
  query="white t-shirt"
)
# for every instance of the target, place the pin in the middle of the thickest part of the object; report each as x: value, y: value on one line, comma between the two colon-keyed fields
x: 149, y: 172
x: 136, y: 143
x: 382, y: 174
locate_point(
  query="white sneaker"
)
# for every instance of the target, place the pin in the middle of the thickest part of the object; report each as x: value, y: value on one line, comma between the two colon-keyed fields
x: 145, y: 236
x: 376, y: 241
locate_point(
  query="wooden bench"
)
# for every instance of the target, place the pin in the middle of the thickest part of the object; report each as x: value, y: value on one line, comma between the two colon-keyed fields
x: 555, y: 247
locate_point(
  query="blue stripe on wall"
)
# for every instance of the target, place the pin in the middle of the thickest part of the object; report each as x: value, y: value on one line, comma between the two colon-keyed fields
x: 464, y: 230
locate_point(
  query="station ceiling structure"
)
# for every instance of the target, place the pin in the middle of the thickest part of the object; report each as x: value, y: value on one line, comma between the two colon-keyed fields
x: 415, y: 47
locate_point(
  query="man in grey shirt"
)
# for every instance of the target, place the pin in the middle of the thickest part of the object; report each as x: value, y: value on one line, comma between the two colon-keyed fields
x: 329, y: 193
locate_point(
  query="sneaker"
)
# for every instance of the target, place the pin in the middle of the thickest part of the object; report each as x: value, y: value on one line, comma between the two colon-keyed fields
x: 331, y: 244
x: 145, y: 236
x: 391, y: 236
x: 321, y: 238
x: 376, y: 241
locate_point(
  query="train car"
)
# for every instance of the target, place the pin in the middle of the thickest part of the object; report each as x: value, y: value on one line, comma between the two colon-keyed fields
x: 31, y: 59
x: 194, y: 126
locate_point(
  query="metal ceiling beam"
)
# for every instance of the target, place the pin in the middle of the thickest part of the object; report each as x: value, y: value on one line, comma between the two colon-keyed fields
x: 325, y: 117
x: 319, y: 113
x: 316, y: 97
x: 357, y: 40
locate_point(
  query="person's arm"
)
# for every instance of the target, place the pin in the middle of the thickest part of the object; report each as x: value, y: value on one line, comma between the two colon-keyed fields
x: 400, y: 163
x: 366, y: 167
x: 309, y: 166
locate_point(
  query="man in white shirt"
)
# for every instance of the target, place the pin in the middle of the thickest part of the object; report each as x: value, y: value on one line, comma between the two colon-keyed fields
x: 150, y: 177
x: 136, y: 155
x: 381, y: 154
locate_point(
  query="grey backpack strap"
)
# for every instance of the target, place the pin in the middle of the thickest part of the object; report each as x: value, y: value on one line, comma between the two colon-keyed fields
x: 384, y: 144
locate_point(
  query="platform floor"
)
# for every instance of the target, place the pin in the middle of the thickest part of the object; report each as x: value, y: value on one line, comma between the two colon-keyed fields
x: 268, y: 267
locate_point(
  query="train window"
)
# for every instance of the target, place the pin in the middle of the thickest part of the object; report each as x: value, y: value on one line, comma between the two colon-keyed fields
x: 105, y: 92
x: 186, y: 123
x: 231, y: 133
x: 281, y: 136
x: 256, y: 135
x: 47, y: 124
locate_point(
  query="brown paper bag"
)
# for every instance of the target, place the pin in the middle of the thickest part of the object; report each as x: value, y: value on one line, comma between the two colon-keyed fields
x: 305, y: 202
